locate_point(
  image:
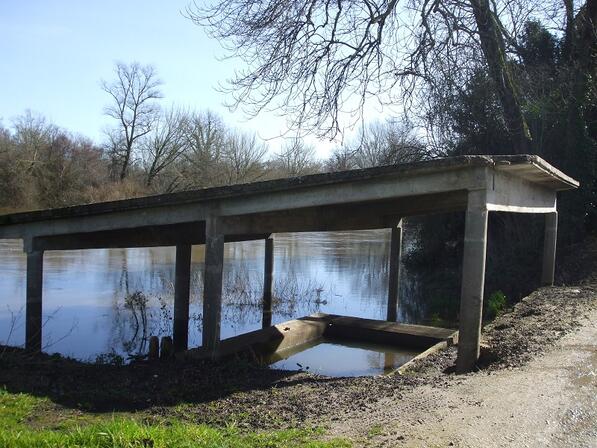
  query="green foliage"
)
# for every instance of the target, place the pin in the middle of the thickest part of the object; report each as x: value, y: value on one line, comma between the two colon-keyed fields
x: 495, y: 304
x: 444, y: 308
x: 18, y: 410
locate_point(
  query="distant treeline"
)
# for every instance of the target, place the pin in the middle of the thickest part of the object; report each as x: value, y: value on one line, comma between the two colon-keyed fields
x: 44, y: 166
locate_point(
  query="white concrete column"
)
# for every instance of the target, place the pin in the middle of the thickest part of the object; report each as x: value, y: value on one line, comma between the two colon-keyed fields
x: 549, y: 249
x: 182, y: 289
x: 268, y: 279
x: 212, y: 287
x: 33, y: 319
x: 394, y: 272
x: 473, y: 282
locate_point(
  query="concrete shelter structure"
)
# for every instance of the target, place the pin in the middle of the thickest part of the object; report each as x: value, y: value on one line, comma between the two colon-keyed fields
x: 372, y: 198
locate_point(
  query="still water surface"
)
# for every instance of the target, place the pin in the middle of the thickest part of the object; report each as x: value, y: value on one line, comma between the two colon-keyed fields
x: 86, y: 314
x: 346, y: 358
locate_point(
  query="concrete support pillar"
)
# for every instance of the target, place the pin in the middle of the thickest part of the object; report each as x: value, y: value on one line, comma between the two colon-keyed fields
x: 268, y: 279
x: 473, y: 282
x: 212, y: 287
x: 549, y: 249
x: 182, y: 289
x: 394, y: 272
x: 33, y: 319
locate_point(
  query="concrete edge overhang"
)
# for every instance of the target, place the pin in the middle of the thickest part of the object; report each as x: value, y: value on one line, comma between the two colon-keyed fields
x: 531, y: 168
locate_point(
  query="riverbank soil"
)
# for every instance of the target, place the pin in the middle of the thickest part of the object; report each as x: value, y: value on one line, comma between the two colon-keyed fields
x: 540, y: 391
x: 535, y: 385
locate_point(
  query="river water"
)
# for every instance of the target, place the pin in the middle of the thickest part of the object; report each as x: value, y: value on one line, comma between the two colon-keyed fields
x: 86, y: 313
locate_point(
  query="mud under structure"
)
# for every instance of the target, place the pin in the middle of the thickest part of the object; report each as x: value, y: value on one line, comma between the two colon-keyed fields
x: 372, y: 198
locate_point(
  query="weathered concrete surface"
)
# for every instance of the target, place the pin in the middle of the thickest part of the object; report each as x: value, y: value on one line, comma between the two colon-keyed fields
x: 473, y: 283
x: 549, y: 249
x: 267, y: 341
x: 348, y: 187
x: 351, y: 200
x: 182, y: 287
x: 532, y: 168
x: 212, y: 285
x: 394, y: 272
x: 33, y: 312
x: 280, y: 338
x: 383, y: 332
x: 268, y: 282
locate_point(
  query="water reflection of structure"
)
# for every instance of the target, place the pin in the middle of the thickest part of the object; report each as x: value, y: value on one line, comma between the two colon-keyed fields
x: 339, y: 272
x: 343, y: 272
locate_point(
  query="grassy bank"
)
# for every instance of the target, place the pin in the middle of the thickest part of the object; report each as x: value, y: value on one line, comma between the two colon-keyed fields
x: 28, y: 421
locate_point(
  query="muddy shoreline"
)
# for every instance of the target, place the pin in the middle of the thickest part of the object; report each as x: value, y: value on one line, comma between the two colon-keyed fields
x: 260, y: 398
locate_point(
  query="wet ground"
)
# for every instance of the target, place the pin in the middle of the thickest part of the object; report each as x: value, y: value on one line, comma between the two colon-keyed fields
x: 252, y: 397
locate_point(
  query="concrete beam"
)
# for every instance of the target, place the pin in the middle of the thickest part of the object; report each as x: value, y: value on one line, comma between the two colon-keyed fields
x: 378, y: 189
x: 549, y: 249
x: 33, y: 317
x: 357, y: 216
x: 212, y: 288
x: 509, y: 193
x: 473, y: 282
x: 146, y: 236
x: 394, y: 272
x: 182, y: 289
x: 100, y: 217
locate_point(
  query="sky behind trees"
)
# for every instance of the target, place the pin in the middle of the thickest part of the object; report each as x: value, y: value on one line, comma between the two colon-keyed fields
x: 55, y: 53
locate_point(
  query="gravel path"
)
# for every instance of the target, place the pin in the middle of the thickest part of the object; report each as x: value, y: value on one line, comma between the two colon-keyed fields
x: 549, y: 401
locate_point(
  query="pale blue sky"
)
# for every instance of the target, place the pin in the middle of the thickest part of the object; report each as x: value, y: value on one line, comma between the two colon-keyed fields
x: 55, y: 52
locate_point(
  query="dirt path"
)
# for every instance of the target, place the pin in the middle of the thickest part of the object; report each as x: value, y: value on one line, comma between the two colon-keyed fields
x: 550, y: 401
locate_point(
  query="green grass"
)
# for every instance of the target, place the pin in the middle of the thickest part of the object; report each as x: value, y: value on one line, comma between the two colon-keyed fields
x: 27, y: 422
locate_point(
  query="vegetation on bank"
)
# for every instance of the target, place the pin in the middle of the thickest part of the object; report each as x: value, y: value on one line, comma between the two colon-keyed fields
x: 27, y: 421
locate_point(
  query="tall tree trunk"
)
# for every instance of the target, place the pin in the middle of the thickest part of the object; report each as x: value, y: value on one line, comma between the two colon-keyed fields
x: 581, y: 61
x: 492, y: 44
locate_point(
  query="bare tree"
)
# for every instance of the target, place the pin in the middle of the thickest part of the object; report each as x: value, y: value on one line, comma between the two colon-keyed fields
x: 386, y: 143
x: 342, y: 158
x: 243, y: 157
x: 295, y: 159
x: 204, y: 135
x: 315, y: 59
x: 164, y: 145
x: 378, y: 143
x: 32, y: 134
x: 133, y: 93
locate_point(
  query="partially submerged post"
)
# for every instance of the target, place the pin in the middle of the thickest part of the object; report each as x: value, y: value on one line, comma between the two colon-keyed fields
x: 182, y: 287
x: 268, y: 279
x: 373, y: 198
x: 166, y: 348
x: 212, y: 287
x: 33, y: 319
x: 394, y: 272
x: 154, y: 348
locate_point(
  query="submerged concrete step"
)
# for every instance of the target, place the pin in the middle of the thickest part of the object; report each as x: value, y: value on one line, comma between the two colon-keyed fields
x: 264, y: 343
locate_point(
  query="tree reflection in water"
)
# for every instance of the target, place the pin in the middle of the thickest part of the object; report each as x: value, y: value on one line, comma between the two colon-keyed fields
x: 138, y: 316
x: 339, y: 273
